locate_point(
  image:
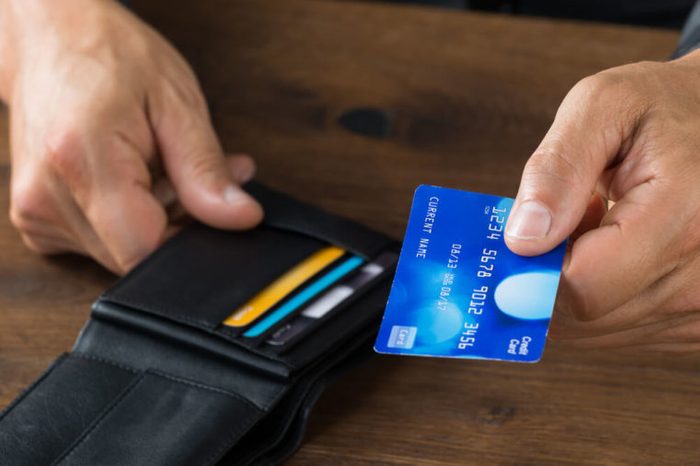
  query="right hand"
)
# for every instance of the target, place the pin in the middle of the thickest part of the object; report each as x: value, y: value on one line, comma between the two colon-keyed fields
x: 629, y: 135
x: 109, y: 133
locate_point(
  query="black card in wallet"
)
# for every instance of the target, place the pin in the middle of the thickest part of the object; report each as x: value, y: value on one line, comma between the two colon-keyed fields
x: 155, y: 378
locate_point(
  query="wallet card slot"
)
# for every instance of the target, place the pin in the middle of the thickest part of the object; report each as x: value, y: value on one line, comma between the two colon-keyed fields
x: 287, y: 213
x: 334, y: 333
x: 282, y: 290
x: 355, y: 317
x: 202, y: 275
x: 332, y: 330
x: 335, y: 301
x: 338, y: 330
x: 141, y: 424
x: 302, y: 298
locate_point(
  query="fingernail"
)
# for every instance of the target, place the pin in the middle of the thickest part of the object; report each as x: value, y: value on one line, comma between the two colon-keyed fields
x: 235, y: 196
x: 244, y: 172
x: 530, y: 221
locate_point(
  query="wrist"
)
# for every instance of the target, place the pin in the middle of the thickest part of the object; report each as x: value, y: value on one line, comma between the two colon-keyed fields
x: 31, y: 28
x: 8, y: 49
x: 18, y: 21
x: 692, y: 57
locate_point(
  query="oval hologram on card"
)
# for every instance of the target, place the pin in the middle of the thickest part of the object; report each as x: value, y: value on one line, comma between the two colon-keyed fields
x: 529, y: 295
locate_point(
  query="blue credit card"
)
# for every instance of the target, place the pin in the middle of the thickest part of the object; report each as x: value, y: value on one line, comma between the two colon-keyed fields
x: 459, y: 292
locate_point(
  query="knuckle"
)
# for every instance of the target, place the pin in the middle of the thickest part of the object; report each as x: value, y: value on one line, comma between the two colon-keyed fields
x: 187, y: 92
x: 594, y: 85
x: 576, y: 302
x: 63, y: 149
x: 20, y: 214
x: 38, y: 245
x: 622, y: 86
x: 554, y: 164
x: 206, y: 168
x: 65, y: 158
x: 28, y: 205
x: 604, y: 87
x: 19, y: 219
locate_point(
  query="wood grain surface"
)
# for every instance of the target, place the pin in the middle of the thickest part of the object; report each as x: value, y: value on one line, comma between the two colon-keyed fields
x: 469, y: 96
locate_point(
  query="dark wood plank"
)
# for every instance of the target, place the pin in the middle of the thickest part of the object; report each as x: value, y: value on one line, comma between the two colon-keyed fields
x: 470, y: 96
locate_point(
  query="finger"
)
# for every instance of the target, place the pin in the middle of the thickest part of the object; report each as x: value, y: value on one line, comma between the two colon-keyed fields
x: 130, y: 222
x: 196, y: 166
x: 114, y: 196
x: 82, y: 233
x: 45, y: 212
x: 596, y: 210
x: 589, y: 130
x: 128, y: 219
x: 653, y: 304
x: 241, y: 167
x: 45, y: 237
x: 36, y: 226
x: 47, y: 244
x: 633, y: 248
x: 164, y: 192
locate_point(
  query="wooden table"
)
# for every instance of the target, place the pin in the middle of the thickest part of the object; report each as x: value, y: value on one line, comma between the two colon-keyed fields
x: 469, y: 96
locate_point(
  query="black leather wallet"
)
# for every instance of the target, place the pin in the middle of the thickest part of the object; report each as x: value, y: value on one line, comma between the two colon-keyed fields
x: 155, y: 378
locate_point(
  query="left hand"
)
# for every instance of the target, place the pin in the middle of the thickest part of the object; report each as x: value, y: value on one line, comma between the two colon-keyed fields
x: 111, y: 135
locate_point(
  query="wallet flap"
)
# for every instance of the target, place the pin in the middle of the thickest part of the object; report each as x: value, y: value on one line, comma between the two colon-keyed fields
x: 285, y: 212
x: 202, y: 275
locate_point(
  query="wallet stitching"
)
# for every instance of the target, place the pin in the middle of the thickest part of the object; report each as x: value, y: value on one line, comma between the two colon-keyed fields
x: 143, y: 307
x: 90, y: 357
x: 132, y: 387
x: 166, y: 376
x: 205, y: 387
x: 214, y: 331
x: 100, y: 420
x: 174, y: 378
x: 30, y: 389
